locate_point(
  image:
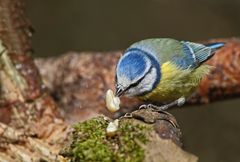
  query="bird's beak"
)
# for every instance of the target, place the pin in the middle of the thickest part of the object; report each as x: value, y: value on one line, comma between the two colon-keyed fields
x: 119, y: 92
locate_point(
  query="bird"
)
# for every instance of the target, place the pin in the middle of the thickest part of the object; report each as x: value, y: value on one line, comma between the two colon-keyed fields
x: 163, y: 70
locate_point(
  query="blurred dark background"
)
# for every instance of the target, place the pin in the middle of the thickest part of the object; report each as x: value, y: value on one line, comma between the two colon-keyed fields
x: 114, y: 24
x: 212, y: 132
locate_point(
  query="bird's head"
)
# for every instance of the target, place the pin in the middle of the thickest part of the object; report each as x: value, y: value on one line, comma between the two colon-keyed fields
x: 137, y: 73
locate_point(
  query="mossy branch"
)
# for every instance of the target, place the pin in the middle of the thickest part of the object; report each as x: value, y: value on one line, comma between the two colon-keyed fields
x: 134, y: 141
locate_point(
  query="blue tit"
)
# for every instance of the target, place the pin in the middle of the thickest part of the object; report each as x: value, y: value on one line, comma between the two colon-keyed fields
x: 163, y: 69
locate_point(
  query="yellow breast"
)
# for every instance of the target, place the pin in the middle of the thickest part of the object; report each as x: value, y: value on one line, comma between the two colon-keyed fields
x: 176, y: 83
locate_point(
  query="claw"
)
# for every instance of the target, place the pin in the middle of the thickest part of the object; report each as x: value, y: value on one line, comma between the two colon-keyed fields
x: 143, y: 107
x: 128, y: 115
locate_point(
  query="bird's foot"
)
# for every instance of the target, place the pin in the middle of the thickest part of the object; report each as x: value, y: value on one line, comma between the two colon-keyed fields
x: 153, y: 108
x: 153, y: 117
x: 178, y: 102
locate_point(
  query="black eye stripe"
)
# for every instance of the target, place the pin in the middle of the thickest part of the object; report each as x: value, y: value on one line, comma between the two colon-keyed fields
x: 136, y: 83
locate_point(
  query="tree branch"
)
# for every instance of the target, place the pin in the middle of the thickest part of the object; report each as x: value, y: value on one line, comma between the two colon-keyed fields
x: 88, y: 75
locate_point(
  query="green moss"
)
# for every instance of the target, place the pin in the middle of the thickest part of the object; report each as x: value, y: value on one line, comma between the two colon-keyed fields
x: 90, y: 142
x: 130, y: 137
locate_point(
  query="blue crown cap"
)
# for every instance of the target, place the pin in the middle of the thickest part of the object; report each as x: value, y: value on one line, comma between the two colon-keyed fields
x: 132, y: 65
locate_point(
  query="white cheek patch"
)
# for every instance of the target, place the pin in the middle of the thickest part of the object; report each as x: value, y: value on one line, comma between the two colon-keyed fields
x: 148, y: 82
x: 146, y: 85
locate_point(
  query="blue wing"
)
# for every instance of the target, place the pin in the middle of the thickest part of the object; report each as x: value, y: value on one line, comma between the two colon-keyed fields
x: 194, y: 54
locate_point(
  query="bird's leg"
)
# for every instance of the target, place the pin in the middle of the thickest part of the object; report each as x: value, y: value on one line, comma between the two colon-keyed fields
x: 162, y: 108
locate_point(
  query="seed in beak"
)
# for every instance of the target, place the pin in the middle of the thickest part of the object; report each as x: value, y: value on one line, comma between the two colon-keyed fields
x: 112, y: 102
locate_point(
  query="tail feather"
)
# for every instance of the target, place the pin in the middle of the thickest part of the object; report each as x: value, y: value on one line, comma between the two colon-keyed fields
x: 216, y: 45
x: 209, y: 53
x: 202, y: 53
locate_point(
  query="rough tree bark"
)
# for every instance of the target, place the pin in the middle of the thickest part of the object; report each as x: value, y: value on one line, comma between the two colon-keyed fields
x: 25, y: 107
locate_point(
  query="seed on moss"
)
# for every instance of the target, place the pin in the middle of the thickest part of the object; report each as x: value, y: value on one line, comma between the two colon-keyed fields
x: 112, y: 128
